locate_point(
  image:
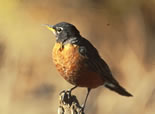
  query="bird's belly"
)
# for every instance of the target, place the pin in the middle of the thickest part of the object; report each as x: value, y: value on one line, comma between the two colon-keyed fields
x: 72, y: 67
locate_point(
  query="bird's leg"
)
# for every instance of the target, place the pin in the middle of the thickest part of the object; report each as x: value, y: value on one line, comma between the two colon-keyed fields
x: 70, y: 90
x: 66, y: 94
x: 83, y: 106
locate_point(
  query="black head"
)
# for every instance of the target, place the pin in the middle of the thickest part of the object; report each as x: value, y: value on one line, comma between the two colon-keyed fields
x: 64, y: 31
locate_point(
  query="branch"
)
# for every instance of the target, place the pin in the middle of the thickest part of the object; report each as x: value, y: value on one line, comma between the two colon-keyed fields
x: 68, y: 104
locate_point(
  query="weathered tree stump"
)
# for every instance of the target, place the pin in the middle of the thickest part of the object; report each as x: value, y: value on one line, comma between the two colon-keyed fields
x: 68, y: 104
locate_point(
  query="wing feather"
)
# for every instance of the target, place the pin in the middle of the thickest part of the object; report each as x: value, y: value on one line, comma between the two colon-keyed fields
x: 94, y: 61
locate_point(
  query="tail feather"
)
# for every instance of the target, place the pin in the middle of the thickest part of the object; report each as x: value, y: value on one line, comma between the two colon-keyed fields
x: 117, y: 88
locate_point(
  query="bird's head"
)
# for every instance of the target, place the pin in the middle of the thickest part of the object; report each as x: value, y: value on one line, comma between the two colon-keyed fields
x: 63, y: 31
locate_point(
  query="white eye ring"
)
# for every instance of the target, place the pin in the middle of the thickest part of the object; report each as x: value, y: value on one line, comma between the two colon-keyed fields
x: 59, y: 29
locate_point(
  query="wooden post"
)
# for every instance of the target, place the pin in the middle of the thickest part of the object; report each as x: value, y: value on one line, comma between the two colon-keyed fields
x: 68, y: 104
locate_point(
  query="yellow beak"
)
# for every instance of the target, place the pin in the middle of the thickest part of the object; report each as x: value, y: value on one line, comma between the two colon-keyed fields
x: 50, y: 27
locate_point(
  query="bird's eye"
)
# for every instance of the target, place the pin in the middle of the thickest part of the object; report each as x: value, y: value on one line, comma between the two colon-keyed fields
x: 59, y: 29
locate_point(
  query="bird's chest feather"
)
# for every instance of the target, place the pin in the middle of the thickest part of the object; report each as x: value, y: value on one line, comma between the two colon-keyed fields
x: 68, y: 60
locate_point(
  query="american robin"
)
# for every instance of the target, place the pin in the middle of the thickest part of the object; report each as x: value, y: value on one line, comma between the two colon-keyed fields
x: 79, y: 62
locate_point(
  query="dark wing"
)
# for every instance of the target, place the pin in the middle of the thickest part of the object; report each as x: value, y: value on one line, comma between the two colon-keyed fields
x: 97, y: 64
x: 94, y: 61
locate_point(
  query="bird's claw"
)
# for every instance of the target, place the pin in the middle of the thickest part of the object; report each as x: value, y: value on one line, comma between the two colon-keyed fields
x: 65, y: 94
x: 63, y: 91
x: 82, y: 109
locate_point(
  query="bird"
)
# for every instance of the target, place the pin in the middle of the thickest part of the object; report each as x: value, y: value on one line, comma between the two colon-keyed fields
x: 79, y: 62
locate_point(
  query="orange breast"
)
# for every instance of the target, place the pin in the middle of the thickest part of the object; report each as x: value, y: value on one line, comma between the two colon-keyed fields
x: 72, y: 67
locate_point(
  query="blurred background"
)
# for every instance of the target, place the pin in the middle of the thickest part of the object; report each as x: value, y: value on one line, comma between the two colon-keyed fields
x: 122, y: 30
